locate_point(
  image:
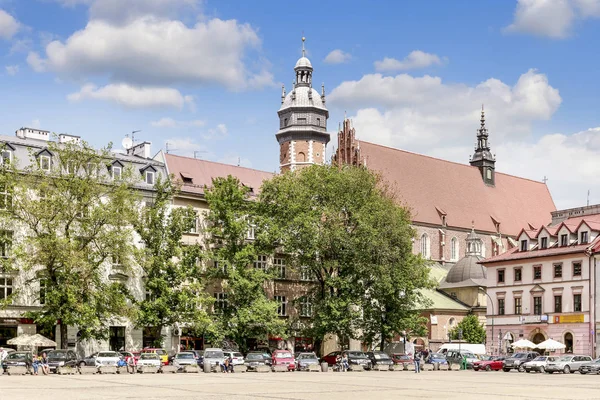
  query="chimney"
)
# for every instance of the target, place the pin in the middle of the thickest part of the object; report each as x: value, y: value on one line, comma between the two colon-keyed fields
x: 30, y: 133
x: 66, y: 138
x: 140, y: 150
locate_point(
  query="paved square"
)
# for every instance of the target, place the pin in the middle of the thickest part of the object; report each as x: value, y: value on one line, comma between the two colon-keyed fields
x: 303, y: 385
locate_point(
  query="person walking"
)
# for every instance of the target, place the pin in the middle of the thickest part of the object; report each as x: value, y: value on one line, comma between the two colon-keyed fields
x: 417, y: 360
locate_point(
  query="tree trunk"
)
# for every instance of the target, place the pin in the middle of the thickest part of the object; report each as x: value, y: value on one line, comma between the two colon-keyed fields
x: 381, y: 342
x: 63, y: 336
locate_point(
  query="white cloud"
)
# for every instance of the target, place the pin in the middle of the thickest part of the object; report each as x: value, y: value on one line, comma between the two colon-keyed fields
x: 21, y: 46
x: 551, y: 18
x: 142, y: 52
x: 171, y: 123
x: 35, y: 124
x: 219, y: 132
x: 12, y: 69
x: 188, y: 147
x: 416, y: 59
x: 132, y: 96
x: 337, y: 56
x: 8, y: 25
x: 35, y: 62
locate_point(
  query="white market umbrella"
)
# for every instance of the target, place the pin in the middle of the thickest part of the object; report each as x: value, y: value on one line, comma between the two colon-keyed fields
x: 551, y: 345
x: 523, y: 344
x: 32, y: 340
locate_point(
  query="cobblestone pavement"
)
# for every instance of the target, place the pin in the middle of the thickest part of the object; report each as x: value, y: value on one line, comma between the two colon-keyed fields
x: 304, y: 385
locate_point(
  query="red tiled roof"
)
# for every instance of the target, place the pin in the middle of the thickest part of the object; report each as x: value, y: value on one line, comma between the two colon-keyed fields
x: 201, y: 172
x: 425, y: 183
x: 516, y: 254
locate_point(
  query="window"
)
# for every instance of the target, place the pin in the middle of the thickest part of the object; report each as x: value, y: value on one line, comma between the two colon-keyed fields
x: 220, y: 266
x: 454, y: 249
x: 318, y: 121
x: 584, y: 237
x: 5, y: 197
x: 425, y: 246
x: 518, y: 273
x: 279, y: 265
x: 285, y: 122
x: 150, y: 177
x: 281, y: 305
x: 306, y: 308
x: 576, y: 269
x: 116, y: 260
x: 488, y: 173
x: 220, y: 304
x: 44, y: 163
x: 537, y: 272
x: 537, y: 305
x: 564, y: 240
x: 500, y: 306
x: 70, y: 167
x: 5, y: 244
x: 544, y: 243
x: 518, y: 306
x: 301, y: 121
x: 557, y: 304
x: 576, y: 302
x: 306, y: 274
x: 6, y: 157
x: 193, y: 227
x: 500, y: 276
x: 116, y: 172
x: 523, y: 245
x: 558, y: 270
x: 251, y: 232
x: 6, y: 287
x: 261, y: 263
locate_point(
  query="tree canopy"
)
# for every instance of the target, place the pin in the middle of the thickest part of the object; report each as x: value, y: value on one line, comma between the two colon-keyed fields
x: 472, y: 330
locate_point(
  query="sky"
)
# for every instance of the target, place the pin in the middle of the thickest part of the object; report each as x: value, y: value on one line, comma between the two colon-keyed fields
x: 203, y: 78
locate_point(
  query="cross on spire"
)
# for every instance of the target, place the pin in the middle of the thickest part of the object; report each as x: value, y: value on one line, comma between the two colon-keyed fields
x: 303, y: 50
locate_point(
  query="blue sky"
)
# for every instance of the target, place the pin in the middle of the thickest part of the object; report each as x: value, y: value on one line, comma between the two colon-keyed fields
x: 206, y: 76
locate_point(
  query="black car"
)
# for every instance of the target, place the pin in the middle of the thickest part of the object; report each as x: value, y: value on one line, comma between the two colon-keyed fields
x: 19, y: 359
x: 379, y: 358
x: 358, y: 358
x: 254, y: 359
x: 517, y: 360
x: 61, y: 358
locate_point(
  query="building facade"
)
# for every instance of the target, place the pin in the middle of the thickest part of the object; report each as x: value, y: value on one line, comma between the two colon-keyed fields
x: 545, y: 288
x: 302, y: 134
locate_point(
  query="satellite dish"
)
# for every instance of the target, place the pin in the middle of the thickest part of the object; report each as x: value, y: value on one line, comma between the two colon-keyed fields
x: 127, y: 143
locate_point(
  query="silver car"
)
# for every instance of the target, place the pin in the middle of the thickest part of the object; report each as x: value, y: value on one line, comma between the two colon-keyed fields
x: 182, y: 359
x: 214, y: 357
x: 567, y: 364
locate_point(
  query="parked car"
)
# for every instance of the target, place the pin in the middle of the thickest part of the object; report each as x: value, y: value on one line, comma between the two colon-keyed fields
x: 149, y: 360
x: 182, y: 359
x: 107, y: 358
x: 254, y: 359
x: 436, y: 358
x: 162, y: 353
x: 538, y: 363
x: 358, y: 358
x: 127, y: 355
x: 590, y: 368
x: 214, y: 357
x: 284, y: 357
x: 61, y: 358
x: 303, y: 360
x: 89, y: 361
x: 237, y: 358
x: 568, y: 364
x: 493, y: 363
x: 331, y: 358
x: 379, y: 358
x: 517, y: 360
x: 18, y: 359
x: 456, y: 357
x: 401, y: 359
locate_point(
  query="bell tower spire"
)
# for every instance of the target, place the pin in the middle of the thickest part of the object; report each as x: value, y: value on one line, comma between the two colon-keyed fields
x: 483, y: 158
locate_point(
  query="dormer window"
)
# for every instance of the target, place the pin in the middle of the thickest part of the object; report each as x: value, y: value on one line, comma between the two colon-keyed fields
x: 584, y: 237
x: 523, y: 245
x: 45, y: 163
x: 544, y: 243
x: 150, y: 177
x: 116, y: 172
x: 6, y: 157
x: 564, y: 240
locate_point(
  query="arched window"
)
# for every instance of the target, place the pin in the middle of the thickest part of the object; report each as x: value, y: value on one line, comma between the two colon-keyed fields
x: 454, y: 249
x: 425, y: 248
x: 301, y: 157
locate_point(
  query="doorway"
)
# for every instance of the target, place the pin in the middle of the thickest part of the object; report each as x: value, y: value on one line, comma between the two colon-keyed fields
x: 569, y: 342
x: 117, y: 338
x: 538, y: 338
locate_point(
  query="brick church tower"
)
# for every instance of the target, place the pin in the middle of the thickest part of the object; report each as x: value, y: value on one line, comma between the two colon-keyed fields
x: 302, y: 134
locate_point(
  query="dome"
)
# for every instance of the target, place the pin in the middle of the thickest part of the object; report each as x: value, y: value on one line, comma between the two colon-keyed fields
x: 302, y: 98
x: 465, y: 269
x: 303, y: 62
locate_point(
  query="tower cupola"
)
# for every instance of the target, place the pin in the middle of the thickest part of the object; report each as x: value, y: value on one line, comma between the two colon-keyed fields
x: 483, y: 157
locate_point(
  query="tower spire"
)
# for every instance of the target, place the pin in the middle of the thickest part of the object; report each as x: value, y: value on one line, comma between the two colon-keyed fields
x: 483, y: 158
x: 303, y: 50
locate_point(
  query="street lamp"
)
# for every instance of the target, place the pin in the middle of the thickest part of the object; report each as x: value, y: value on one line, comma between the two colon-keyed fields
x: 492, y: 303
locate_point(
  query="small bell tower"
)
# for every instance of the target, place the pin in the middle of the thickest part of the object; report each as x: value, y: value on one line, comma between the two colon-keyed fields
x: 483, y: 157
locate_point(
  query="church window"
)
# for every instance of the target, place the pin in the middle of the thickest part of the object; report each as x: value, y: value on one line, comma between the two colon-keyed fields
x: 425, y: 246
x: 285, y: 122
x: 454, y: 249
x: 489, y: 173
x: 301, y: 157
x: 318, y: 121
x: 301, y: 121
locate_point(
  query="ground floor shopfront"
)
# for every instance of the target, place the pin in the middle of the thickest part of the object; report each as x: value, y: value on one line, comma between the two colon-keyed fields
x: 574, y: 331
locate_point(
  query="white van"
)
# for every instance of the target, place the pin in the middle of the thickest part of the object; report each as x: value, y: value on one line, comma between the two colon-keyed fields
x: 477, y: 349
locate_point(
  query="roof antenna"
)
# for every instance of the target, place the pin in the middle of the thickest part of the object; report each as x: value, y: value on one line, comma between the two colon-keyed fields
x: 196, y: 152
x: 239, y: 161
x: 167, y: 149
x: 545, y: 180
x: 133, y: 135
x: 303, y: 50
x: 588, y: 197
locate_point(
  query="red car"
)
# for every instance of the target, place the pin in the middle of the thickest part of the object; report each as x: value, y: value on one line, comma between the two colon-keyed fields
x: 331, y: 358
x: 494, y: 363
x: 284, y: 357
x: 401, y: 359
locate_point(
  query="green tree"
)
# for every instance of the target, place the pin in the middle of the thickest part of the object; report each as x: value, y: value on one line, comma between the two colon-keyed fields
x: 472, y: 330
x: 64, y: 220
x: 247, y: 312
x: 174, y: 288
x: 344, y: 226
